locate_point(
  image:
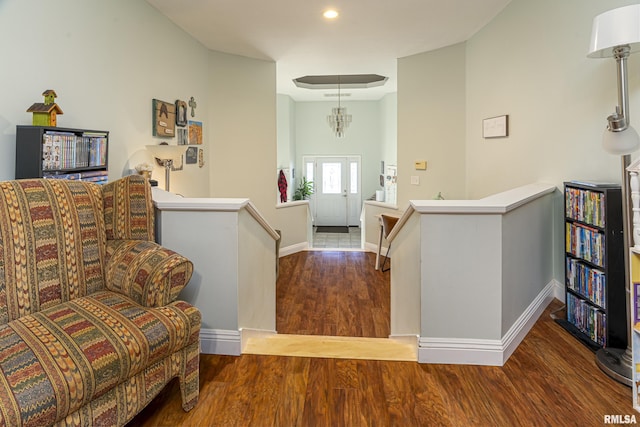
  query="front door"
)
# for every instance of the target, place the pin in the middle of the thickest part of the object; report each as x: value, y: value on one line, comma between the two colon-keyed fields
x: 331, y: 191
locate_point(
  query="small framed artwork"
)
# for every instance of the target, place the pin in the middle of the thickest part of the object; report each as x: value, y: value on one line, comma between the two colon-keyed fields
x: 181, y: 113
x: 183, y: 136
x: 191, y: 156
x: 200, y: 158
x: 495, y: 127
x: 164, y: 119
x: 195, y: 133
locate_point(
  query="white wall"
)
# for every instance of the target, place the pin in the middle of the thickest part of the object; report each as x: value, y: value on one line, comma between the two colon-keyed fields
x: 293, y: 219
x: 243, y: 130
x: 406, y: 279
x: 389, y: 128
x: 286, y: 143
x: 106, y: 61
x: 431, y: 117
x: 211, y: 241
x: 530, y: 63
x: 256, y: 275
x: 363, y: 137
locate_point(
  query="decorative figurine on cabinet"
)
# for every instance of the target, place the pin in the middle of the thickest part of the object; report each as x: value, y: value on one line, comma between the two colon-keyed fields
x: 45, y: 114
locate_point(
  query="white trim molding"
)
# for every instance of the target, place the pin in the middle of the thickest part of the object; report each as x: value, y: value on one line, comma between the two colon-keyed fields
x: 462, y: 351
x: 293, y: 249
x: 220, y: 341
x: 558, y: 290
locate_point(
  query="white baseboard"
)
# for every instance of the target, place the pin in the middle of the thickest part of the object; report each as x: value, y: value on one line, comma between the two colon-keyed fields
x: 299, y: 247
x: 228, y: 342
x: 430, y: 350
x: 485, y: 352
x: 372, y: 247
x: 525, y: 322
x: 558, y: 291
x: 220, y: 341
x: 292, y: 249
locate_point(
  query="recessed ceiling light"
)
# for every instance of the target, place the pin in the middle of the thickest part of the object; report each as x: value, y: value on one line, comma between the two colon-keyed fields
x: 330, y: 14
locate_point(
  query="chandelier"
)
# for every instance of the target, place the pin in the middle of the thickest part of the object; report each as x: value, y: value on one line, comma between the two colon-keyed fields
x: 339, y: 119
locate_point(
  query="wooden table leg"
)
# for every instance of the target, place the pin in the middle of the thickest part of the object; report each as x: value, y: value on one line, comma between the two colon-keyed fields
x: 379, y: 248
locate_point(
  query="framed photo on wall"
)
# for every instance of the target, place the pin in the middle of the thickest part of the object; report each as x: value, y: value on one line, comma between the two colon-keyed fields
x: 164, y: 119
x: 495, y: 127
x: 183, y: 136
x: 181, y: 113
x: 195, y: 133
x: 191, y: 156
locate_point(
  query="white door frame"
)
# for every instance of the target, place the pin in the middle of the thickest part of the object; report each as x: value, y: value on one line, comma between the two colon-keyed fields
x: 354, y: 195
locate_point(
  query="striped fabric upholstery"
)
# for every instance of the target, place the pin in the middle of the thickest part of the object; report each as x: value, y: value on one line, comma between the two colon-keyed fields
x: 90, y: 329
x: 151, y: 275
x: 128, y: 209
x: 52, y: 244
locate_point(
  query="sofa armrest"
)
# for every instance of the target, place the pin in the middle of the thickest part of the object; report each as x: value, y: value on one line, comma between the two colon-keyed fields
x: 146, y: 272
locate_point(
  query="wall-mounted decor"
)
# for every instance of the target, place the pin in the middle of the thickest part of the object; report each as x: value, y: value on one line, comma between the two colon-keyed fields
x: 181, y: 113
x: 193, y: 105
x: 195, y: 132
x: 164, y: 118
x: 495, y: 127
x: 200, y: 158
x: 183, y: 136
x: 191, y: 156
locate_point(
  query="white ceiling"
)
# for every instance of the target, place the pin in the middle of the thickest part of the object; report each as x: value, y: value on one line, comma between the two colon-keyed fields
x: 367, y: 37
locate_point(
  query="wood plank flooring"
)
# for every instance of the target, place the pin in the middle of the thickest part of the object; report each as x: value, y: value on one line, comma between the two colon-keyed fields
x: 332, y: 293
x: 550, y: 380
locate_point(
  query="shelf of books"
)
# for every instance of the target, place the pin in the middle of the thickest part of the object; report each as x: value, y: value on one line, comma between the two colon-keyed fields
x: 51, y: 152
x: 594, y: 266
x: 635, y: 324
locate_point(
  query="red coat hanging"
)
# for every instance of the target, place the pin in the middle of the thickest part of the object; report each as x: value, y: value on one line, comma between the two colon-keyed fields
x: 282, y: 186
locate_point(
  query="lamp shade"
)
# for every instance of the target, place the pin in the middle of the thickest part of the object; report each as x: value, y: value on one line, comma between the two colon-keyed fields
x: 166, y: 152
x: 613, y: 28
x: 621, y: 143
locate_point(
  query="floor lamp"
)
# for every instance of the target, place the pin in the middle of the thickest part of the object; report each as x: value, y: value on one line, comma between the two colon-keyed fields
x: 616, y: 34
x: 165, y: 156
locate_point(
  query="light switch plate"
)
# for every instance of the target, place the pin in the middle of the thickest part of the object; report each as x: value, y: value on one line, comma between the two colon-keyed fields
x: 415, y: 180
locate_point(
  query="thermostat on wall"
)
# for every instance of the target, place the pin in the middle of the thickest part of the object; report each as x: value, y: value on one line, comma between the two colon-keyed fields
x: 421, y: 165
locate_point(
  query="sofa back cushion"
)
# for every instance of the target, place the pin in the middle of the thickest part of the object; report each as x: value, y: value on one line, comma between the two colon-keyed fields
x: 128, y: 209
x: 52, y: 244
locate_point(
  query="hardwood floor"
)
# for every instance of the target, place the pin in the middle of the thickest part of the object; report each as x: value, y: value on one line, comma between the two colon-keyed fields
x: 550, y: 380
x: 332, y: 293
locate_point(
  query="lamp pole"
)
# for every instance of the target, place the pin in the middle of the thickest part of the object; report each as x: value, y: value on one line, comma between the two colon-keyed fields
x: 618, y: 363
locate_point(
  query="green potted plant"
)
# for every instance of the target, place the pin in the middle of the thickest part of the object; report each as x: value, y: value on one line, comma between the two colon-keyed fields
x: 304, y: 190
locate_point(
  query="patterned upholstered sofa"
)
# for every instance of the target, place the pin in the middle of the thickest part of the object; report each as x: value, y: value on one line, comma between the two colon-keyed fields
x: 90, y: 328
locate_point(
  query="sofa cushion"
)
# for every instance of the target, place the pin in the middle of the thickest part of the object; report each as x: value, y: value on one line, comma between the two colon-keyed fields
x: 128, y: 209
x: 146, y: 272
x: 55, y: 361
x: 52, y: 244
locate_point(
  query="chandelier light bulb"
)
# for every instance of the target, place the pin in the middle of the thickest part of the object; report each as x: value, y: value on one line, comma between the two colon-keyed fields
x: 339, y: 120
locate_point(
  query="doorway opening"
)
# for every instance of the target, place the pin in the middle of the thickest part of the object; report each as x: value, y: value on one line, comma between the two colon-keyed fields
x: 336, y: 202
